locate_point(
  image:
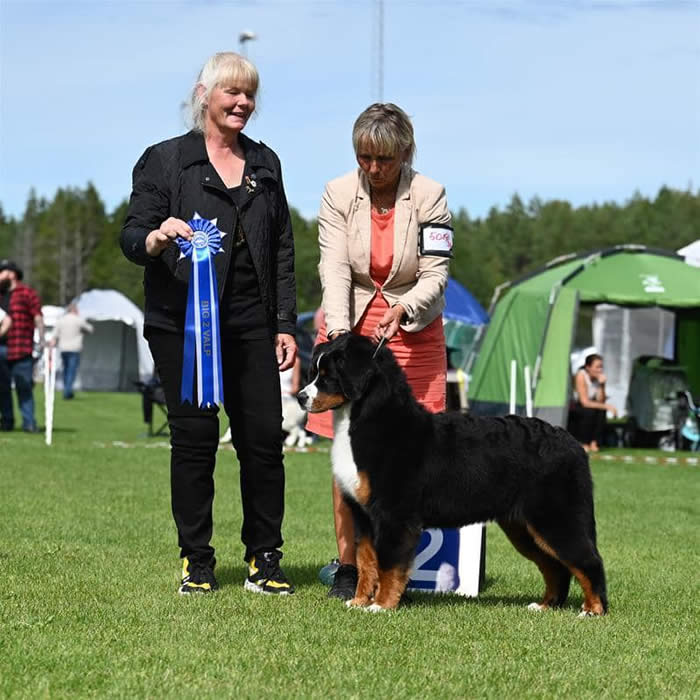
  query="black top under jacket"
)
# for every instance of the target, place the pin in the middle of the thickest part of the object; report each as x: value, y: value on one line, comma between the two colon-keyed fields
x: 175, y: 178
x: 241, y: 306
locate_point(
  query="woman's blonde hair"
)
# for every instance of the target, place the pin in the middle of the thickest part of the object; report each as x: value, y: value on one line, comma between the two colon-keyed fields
x: 386, y: 129
x: 224, y: 68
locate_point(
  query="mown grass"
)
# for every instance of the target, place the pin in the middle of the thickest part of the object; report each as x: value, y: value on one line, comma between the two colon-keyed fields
x: 90, y: 568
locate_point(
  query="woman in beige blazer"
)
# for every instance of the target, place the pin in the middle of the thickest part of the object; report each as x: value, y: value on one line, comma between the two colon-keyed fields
x: 386, y: 241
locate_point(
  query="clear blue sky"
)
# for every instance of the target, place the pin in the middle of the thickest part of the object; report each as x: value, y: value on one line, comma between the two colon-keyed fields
x: 584, y: 101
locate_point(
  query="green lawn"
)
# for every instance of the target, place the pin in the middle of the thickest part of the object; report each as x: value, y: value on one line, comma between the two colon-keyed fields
x: 88, y: 604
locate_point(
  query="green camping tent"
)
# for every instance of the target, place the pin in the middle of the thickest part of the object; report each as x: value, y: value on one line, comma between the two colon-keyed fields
x: 533, y: 323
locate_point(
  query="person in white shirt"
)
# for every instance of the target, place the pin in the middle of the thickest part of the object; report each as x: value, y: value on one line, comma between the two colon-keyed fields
x: 68, y: 337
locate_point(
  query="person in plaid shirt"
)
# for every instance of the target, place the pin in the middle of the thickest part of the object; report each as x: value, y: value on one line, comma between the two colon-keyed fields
x: 24, y: 307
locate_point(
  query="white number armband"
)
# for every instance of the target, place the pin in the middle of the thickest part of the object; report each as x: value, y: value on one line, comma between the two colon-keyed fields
x: 436, y: 239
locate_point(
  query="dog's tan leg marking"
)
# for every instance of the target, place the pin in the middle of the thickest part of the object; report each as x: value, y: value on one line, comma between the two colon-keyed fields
x: 541, y: 543
x: 548, y: 571
x: 592, y: 604
x: 363, y: 490
x: 539, y: 555
x: 392, y: 584
x: 368, y: 573
x: 551, y: 583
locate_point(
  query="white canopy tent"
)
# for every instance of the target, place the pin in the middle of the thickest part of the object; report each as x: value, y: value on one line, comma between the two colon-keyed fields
x: 116, y: 353
x: 691, y: 253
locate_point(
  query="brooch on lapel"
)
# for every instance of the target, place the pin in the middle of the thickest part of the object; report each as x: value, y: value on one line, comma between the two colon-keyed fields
x: 250, y: 183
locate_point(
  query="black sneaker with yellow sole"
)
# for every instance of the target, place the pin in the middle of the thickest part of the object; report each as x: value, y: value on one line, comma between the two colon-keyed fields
x: 197, y: 577
x: 266, y: 576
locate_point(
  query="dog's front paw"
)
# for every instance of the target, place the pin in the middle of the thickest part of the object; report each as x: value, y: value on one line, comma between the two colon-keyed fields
x: 357, y: 602
x: 537, y: 607
x: 374, y: 608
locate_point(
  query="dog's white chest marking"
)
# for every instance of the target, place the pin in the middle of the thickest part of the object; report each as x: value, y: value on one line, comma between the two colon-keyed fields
x: 344, y: 467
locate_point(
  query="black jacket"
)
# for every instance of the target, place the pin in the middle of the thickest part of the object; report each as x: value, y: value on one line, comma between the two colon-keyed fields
x: 175, y: 178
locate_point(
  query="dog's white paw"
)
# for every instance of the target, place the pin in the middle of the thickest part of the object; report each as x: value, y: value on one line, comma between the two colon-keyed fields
x: 587, y: 613
x: 374, y: 608
x: 352, y: 603
x: 537, y: 607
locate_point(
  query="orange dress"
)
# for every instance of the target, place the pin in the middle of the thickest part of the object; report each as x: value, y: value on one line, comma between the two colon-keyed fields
x: 421, y: 355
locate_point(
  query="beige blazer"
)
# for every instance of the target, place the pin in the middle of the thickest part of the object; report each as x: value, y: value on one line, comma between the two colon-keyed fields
x: 344, y: 231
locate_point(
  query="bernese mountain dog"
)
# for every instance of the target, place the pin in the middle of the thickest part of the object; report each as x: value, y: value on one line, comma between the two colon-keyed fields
x: 402, y: 469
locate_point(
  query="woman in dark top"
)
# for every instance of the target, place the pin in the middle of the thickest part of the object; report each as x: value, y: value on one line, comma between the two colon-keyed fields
x: 587, y: 418
x: 216, y: 173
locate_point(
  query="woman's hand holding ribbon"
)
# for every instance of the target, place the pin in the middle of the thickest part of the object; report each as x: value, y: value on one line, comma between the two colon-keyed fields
x: 159, y: 239
x: 286, y: 350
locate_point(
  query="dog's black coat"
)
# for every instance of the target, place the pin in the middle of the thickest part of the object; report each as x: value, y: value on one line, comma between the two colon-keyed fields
x: 450, y: 469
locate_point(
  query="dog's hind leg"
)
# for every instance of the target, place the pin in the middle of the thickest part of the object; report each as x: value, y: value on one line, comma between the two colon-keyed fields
x: 573, y: 546
x: 557, y: 577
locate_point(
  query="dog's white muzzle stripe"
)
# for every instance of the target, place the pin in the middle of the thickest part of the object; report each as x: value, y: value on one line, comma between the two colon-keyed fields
x: 310, y: 391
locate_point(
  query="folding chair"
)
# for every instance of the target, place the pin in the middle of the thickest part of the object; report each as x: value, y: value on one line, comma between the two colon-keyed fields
x: 152, y: 394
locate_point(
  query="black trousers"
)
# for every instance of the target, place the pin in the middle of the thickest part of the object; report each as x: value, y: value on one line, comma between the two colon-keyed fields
x: 253, y: 403
x: 587, y: 424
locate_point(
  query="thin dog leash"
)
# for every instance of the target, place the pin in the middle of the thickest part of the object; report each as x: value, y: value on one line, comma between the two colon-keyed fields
x: 379, y: 346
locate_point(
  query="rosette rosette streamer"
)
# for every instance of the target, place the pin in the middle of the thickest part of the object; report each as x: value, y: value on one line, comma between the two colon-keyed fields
x: 202, y: 351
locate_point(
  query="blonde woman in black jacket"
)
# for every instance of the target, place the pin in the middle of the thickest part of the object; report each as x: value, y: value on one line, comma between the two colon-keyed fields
x: 217, y: 173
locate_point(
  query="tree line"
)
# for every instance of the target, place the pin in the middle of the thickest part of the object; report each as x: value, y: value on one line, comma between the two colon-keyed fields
x: 69, y: 244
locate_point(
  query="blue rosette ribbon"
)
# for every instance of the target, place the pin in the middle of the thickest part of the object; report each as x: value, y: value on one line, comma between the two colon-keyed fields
x: 202, y: 350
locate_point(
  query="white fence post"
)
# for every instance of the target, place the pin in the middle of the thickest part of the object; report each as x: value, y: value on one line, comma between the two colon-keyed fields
x: 513, y: 379
x: 528, y: 392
